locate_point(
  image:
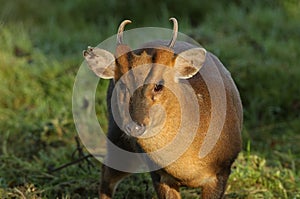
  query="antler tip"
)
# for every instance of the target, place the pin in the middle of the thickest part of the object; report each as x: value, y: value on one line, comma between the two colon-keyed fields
x: 127, y: 21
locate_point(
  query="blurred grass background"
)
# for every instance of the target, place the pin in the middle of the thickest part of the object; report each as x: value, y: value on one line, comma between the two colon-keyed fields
x: 40, y: 52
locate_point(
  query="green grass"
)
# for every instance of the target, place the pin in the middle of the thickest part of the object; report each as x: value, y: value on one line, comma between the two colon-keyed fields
x: 40, y: 52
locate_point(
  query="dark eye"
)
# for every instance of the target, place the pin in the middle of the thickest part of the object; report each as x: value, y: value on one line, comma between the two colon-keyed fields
x: 158, y: 87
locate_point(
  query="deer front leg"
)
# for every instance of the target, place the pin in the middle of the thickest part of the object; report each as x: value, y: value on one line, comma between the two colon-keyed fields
x: 109, y: 181
x: 110, y: 177
x: 166, y: 188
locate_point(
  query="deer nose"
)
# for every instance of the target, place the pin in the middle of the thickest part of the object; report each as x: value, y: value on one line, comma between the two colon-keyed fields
x: 134, y: 129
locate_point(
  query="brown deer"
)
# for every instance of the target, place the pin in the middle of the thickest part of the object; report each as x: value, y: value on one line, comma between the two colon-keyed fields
x: 172, y: 73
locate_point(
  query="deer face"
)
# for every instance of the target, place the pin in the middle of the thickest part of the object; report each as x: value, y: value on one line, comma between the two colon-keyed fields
x: 146, y: 81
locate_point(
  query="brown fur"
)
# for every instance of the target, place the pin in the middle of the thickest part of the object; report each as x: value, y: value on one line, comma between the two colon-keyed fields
x: 212, y: 171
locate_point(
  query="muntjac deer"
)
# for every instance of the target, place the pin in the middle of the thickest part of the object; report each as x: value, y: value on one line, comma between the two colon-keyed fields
x: 157, y: 83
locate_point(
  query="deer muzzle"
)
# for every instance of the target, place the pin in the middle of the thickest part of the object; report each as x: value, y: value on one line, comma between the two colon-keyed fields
x: 134, y: 129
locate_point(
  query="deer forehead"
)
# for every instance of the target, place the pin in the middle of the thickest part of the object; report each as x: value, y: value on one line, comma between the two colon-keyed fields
x: 149, y: 61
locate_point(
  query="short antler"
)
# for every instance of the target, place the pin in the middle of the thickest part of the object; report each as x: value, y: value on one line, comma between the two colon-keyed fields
x: 175, y: 31
x: 120, y: 31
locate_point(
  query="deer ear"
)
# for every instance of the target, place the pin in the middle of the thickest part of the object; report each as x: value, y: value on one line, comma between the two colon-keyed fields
x: 189, y: 62
x: 100, y: 61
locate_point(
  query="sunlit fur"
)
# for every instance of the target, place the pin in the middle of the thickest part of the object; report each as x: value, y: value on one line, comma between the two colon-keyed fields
x: 211, y: 172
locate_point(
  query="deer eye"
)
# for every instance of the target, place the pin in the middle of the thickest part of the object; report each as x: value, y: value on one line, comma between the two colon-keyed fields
x: 158, y: 87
